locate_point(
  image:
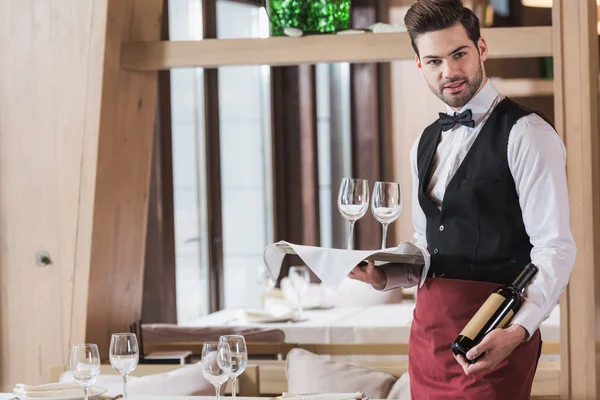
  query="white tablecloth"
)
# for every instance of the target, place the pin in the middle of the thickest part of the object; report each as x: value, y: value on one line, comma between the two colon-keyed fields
x: 7, y: 396
x: 389, y: 323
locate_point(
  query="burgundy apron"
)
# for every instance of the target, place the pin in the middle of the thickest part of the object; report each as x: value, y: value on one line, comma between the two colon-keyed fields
x: 443, y: 308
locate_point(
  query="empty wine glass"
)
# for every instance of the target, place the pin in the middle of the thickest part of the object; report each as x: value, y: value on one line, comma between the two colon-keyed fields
x: 124, y: 355
x: 353, y: 202
x: 84, y: 365
x: 386, y: 205
x: 264, y: 280
x: 216, y: 364
x: 300, y: 279
x: 239, y: 357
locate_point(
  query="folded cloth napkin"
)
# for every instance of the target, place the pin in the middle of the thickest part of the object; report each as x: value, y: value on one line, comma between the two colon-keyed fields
x: 57, y: 389
x: 324, y: 396
x: 263, y: 316
x: 332, y: 266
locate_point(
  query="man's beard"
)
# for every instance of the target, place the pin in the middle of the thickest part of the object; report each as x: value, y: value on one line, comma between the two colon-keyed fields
x: 459, y: 100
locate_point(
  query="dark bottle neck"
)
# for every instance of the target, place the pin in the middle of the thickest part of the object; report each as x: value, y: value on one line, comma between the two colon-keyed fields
x: 525, y: 277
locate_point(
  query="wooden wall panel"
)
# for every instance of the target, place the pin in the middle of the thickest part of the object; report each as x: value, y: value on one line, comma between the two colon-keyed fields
x: 575, y: 42
x: 50, y: 91
x: 123, y: 176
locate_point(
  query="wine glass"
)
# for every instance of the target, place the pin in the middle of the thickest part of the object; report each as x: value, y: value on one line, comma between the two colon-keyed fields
x: 239, y: 357
x: 216, y: 364
x: 84, y: 365
x: 353, y: 202
x: 386, y: 205
x: 300, y: 279
x: 266, y: 283
x: 124, y: 355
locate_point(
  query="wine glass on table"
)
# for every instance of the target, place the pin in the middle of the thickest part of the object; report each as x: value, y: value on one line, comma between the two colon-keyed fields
x: 386, y: 205
x: 353, y: 202
x: 216, y: 364
x: 300, y: 279
x: 124, y: 355
x: 239, y: 358
x: 84, y: 365
x: 266, y: 283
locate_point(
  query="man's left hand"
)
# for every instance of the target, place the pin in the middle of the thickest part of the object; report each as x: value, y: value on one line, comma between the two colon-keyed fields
x: 495, y: 347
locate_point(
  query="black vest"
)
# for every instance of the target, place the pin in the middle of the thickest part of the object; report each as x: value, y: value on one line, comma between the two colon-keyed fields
x: 479, y: 234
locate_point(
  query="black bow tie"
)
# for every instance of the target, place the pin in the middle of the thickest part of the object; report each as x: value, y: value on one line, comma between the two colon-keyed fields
x: 464, y: 118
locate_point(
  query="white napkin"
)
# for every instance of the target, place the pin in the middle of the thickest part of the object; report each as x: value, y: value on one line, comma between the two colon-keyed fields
x: 264, y: 316
x: 323, y: 396
x: 57, y: 389
x: 333, y: 265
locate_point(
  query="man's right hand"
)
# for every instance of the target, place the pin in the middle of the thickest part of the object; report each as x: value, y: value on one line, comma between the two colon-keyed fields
x: 370, y: 274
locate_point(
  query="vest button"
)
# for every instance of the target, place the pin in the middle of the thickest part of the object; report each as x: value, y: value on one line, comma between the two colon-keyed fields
x: 442, y: 228
x: 436, y: 251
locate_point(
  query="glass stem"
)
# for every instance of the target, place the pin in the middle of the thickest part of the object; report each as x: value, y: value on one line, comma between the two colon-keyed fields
x: 351, y: 236
x: 85, y: 393
x: 218, y: 391
x: 125, y: 385
x: 233, y: 382
x: 300, y: 307
x: 384, y: 237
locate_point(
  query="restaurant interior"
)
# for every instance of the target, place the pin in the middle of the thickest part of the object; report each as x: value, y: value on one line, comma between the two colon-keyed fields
x: 152, y: 150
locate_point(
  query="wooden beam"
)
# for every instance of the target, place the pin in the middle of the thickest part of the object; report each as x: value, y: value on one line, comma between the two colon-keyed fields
x: 366, y: 128
x: 159, y: 304
x: 294, y: 136
x: 576, y: 119
x: 365, y: 48
x: 120, y: 205
x: 213, y: 166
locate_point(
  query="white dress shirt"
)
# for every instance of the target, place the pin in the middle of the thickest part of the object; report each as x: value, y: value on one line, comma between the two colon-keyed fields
x: 536, y: 159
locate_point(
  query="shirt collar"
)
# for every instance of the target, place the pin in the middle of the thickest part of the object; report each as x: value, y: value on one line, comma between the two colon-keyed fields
x: 480, y: 104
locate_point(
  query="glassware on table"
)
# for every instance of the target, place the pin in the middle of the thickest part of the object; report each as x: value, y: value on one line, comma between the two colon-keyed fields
x: 264, y: 280
x: 84, y: 365
x: 300, y: 279
x: 386, y: 205
x: 124, y: 355
x: 353, y: 202
x: 216, y: 364
x: 239, y: 357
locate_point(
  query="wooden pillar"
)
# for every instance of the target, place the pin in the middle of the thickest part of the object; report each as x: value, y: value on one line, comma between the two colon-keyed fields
x: 214, y: 206
x: 575, y: 43
x: 120, y: 199
x: 160, y: 294
x: 294, y: 135
x: 366, y: 128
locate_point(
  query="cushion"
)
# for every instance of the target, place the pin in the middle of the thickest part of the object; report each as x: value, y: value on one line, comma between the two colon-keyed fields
x: 185, y: 381
x: 401, y: 389
x: 310, y: 373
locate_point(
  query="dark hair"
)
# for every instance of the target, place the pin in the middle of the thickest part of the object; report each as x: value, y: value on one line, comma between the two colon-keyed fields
x: 434, y: 15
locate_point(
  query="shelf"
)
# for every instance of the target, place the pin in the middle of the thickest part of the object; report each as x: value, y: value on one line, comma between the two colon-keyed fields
x: 524, y: 87
x: 365, y: 48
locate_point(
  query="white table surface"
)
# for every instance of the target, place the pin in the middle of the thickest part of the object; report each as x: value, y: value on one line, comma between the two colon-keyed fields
x: 389, y: 323
x: 7, y: 396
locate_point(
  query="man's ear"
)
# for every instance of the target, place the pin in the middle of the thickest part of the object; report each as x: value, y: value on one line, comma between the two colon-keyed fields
x: 483, y: 49
x: 419, y: 65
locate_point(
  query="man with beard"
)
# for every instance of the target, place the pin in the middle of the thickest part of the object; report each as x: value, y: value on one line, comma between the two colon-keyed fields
x: 489, y: 196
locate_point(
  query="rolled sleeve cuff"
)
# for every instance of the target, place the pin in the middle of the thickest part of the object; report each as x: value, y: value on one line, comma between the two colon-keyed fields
x: 530, y: 317
x: 401, y: 275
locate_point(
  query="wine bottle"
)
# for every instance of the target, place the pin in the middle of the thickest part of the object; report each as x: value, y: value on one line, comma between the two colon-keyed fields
x: 496, y: 312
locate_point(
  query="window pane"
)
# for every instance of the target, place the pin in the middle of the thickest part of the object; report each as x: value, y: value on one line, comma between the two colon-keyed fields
x: 245, y: 158
x: 189, y: 180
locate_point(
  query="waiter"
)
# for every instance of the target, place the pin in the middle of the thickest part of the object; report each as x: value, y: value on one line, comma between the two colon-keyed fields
x: 489, y: 196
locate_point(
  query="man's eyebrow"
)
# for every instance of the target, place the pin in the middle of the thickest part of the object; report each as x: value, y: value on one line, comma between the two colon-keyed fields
x: 451, y: 53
